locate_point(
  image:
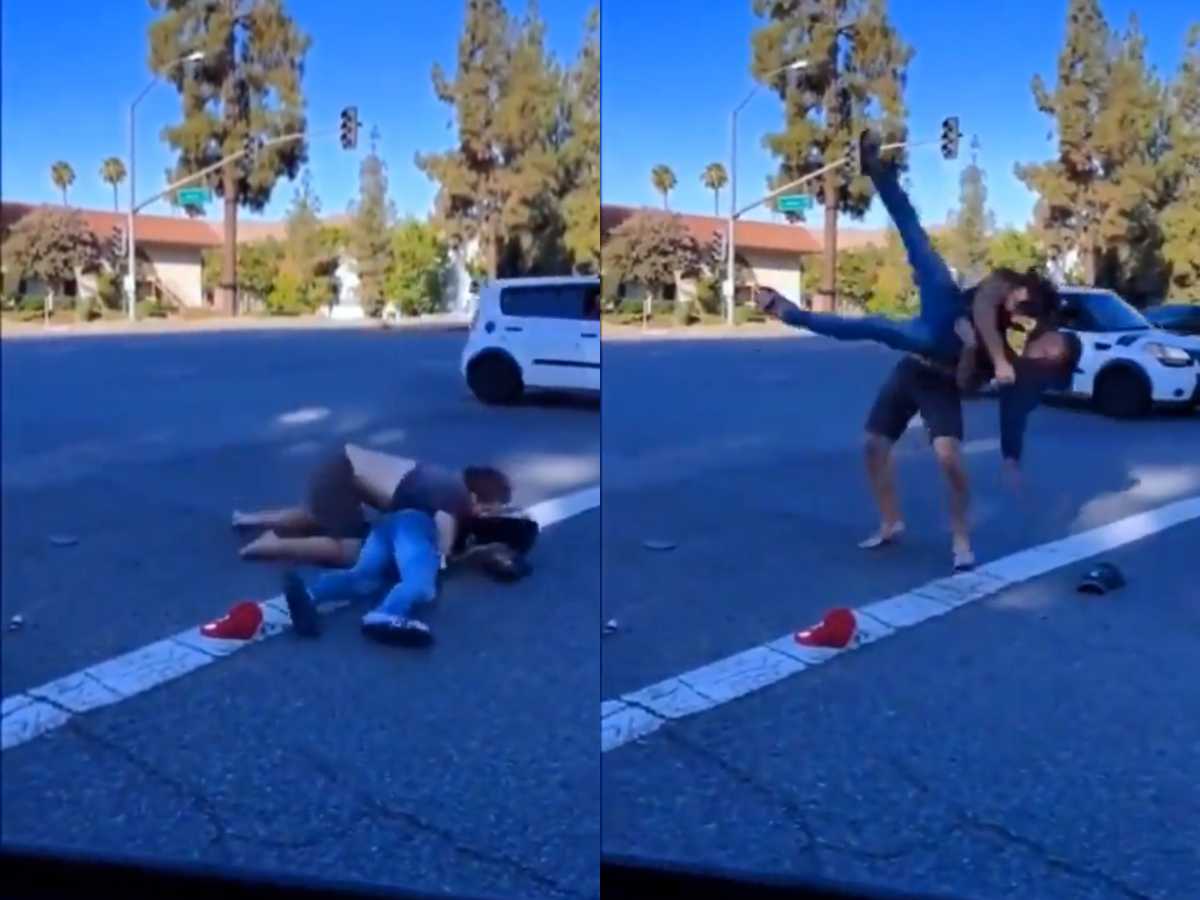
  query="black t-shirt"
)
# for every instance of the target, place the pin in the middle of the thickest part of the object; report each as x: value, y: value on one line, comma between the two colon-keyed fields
x: 433, y: 489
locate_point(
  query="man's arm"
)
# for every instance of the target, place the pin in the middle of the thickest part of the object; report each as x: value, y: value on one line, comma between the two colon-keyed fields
x: 1016, y: 403
x: 965, y: 373
x: 985, y: 310
x: 447, y: 529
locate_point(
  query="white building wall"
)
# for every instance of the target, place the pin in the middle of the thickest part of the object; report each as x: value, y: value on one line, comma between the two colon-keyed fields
x: 180, y: 269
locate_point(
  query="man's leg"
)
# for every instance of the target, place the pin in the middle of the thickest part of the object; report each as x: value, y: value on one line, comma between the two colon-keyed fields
x: 941, y: 300
x: 940, y: 404
x: 949, y: 455
x: 893, y: 409
x: 362, y: 579
x: 897, y: 334
x: 415, y: 550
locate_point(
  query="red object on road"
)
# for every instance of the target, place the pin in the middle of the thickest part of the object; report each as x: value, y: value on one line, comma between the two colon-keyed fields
x: 241, y: 623
x: 835, y: 630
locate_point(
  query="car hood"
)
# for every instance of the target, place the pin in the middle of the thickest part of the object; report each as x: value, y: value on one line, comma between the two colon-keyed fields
x: 1139, y: 336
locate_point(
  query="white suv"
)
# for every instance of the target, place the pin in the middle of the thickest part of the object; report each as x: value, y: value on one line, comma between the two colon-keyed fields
x: 534, y: 333
x: 1128, y: 365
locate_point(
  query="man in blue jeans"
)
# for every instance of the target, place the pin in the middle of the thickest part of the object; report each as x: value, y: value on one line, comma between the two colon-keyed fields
x: 955, y: 342
x: 410, y: 544
x: 407, y: 540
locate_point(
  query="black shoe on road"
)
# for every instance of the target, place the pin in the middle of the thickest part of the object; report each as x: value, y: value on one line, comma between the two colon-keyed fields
x: 397, y: 630
x: 305, y: 619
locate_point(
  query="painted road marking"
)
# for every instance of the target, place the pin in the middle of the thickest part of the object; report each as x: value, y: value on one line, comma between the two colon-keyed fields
x: 639, y: 713
x: 38, y: 710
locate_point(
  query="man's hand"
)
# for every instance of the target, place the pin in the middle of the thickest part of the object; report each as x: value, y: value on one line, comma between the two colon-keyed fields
x: 1005, y: 373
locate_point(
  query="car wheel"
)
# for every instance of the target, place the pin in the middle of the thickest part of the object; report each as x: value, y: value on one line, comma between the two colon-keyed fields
x: 1122, y: 394
x: 494, y: 378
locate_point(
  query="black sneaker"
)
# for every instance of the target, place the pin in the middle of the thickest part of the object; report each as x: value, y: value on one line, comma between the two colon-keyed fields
x: 305, y: 619
x: 869, y: 152
x: 397, y: 630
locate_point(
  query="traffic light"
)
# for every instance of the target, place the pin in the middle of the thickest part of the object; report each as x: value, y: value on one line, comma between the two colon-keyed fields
x: 117, y: 242
x: 950, y: 137
x: 349, y: 128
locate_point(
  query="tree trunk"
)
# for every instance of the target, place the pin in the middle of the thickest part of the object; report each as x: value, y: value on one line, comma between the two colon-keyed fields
x: 717, y: 204
x: 828, y: 302
x: 115, y: 197
x: 228, y: 302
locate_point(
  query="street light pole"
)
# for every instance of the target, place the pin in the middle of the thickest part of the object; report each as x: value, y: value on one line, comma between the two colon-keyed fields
x: 132, y: 240
x: 731, y: 246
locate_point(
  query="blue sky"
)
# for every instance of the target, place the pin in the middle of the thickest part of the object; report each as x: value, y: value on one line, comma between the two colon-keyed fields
x: 673, y: 71
x: 71, y: 68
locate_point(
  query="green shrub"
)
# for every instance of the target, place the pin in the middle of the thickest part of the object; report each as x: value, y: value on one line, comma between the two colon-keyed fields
x: 708, y: 296
x: 87, y: 309
x: 151, y: 309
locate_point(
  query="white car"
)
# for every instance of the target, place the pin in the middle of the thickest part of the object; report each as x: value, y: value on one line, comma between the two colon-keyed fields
x: 1128, y: 365
x: 541, y: 333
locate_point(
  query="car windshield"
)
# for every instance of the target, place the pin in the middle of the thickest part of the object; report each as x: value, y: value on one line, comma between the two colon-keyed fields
x: 1105, y: 311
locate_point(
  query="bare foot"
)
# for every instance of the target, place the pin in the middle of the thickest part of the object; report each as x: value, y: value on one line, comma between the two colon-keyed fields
x: 887, y: 534
x: 262, y: 547
x: 241, y: 519
x: 964, y: 558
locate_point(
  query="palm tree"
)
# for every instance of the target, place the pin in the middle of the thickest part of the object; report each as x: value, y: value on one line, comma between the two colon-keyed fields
x: 63, y: 177
x: 663, y: 180
x: 113, y: 172
x: 714, y: 179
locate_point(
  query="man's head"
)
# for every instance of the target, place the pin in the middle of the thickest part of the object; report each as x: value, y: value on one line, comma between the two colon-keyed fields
x: 1032, y: 294
x: 489, y: 486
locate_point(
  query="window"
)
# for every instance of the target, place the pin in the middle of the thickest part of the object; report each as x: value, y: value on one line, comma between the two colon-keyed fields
x: 551, y: 301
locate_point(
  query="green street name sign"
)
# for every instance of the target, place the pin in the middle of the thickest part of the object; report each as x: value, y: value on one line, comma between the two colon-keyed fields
x: 793, y: 202
x: 194, y: 196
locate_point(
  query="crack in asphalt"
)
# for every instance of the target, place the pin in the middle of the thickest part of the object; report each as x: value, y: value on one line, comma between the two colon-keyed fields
x: 373, y: 807
x: 196, y: 799
x: 966, y: 821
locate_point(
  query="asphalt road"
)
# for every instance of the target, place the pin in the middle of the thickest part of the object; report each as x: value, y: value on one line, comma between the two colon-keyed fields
x: 471, y: 768
x: 1033, y: 744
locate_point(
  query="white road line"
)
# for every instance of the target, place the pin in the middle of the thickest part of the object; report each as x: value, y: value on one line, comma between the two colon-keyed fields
x: 34, y: 712
x: 639, y: 713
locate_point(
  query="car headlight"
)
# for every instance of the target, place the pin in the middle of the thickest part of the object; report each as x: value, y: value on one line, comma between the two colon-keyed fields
x: 1167, y: 355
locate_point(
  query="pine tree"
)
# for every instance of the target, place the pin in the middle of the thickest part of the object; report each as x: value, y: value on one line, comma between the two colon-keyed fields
x: 1181, y: 175
x: 1068, y: 184
x: 529, y: 131
x: 302, y: 246
x: 581, y: 153
x: 854, y: 79
x: 470, y: 199
x: 248, y: 84
x: 373, y: 217
x: 972, y: 223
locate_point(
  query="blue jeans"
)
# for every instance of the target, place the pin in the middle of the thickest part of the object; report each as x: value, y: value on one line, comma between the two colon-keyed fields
x: 931, y: 333
x: 409, y: 539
